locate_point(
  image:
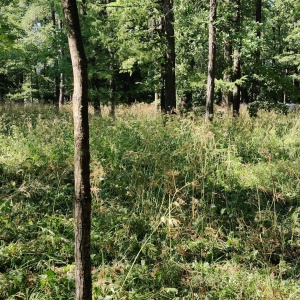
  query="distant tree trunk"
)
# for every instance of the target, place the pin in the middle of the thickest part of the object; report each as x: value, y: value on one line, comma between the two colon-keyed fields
x: 82, y: 153
x: 227, y: 75
x: 112, y: 111
x: 168, y: 99
x: 56, y: 77
x: 61, y: 98
x: 112, y: 85
x: 37, y: 84
x: 285, y: 97
x: 211, y: 62
x: 96, y: 106
x: 56, y: 84
x: 236, y: 97
x: 156, y: 101
x: 83, y: 7
x: 258, y: 19
x: 162, y: 91
x: 31, y: 87
x: 186, y: 102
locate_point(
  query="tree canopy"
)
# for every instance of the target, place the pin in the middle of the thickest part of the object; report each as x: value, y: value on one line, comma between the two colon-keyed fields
x: 126, y: 48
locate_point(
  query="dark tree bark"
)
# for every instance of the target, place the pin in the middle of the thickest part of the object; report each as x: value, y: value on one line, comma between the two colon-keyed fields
x: 236, y: 97
x: 61, y: 98
x: 186, y: 102
x: 112, y: 88
x: 227, y: 74
x: 112, y: 83
x: 82, y: 154
x: 211, y: 62
x: 258, y: 16
x: 56, y: 76
x: 168, y: 96
x: 258, y: 19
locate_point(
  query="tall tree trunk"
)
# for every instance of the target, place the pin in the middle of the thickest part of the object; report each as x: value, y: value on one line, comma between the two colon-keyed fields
x: 82, y: 154
x: 285, y: 96
x: 211, y: 62
x: 227, y: 74
x: 112, y: 88
x: 37, y: 84
x: 186, y: 102
x: 31, y: 87
x: 61, y: 98
x: 168, y: 100
x: 258, y: 19
x: 156, y: 101
x: 56, y: 84
x: 236, y: 97
x: 112, y: 85
x: 56, y: 77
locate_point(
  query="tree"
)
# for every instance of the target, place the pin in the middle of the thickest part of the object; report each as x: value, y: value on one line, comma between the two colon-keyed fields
x: 227, y: 46
x: 191, y: 52
x: 34, y: 64
x: 286, y: 49
x: 236, y: 61
x: 6, y: 43
x: 168, y: 98
x: 61, y: 99
x: 131, y: 54
x: 258, y: 19
x: 81, y: 154
x: 112, y: 97
x: 211, y: 62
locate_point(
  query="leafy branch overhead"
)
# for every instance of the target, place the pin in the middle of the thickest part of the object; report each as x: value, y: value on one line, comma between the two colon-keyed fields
x: 126, y: 47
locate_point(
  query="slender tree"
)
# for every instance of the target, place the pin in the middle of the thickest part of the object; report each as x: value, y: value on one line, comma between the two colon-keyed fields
x: 258, y: 19
x: 56, y: 76
x: 112, y: 99
x: 83, y: 279
x: 236, y: 60
x: 61, y: 77
x: 227, y: 46
x: 211, y: 62
x: 168, y: 97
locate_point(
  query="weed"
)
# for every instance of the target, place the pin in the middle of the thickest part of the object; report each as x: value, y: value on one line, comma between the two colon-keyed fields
x: 181, y: 209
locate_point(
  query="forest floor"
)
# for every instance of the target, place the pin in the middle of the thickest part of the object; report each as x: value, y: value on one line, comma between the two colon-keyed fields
x: 181, y: 209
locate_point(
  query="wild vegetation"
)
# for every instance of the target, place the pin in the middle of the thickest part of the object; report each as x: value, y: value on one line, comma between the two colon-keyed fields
x: 180, y: 209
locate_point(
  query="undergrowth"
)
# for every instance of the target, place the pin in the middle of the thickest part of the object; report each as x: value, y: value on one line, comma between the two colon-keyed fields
x: 181, y: 209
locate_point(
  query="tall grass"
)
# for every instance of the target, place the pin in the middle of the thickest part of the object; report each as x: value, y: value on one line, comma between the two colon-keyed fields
x: 181, y: 209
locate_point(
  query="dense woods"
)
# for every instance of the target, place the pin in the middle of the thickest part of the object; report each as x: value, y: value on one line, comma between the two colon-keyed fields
x: 200, y: 201
x: 135, y: 49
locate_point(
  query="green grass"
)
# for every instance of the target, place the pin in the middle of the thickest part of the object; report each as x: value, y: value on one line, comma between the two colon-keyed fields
x: 181, y: 209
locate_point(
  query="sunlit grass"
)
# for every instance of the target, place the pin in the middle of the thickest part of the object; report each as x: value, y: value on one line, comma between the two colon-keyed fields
x: 181, y: 209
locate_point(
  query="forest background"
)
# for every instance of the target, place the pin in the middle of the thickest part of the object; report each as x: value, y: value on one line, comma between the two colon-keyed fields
x: 126, y: 43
